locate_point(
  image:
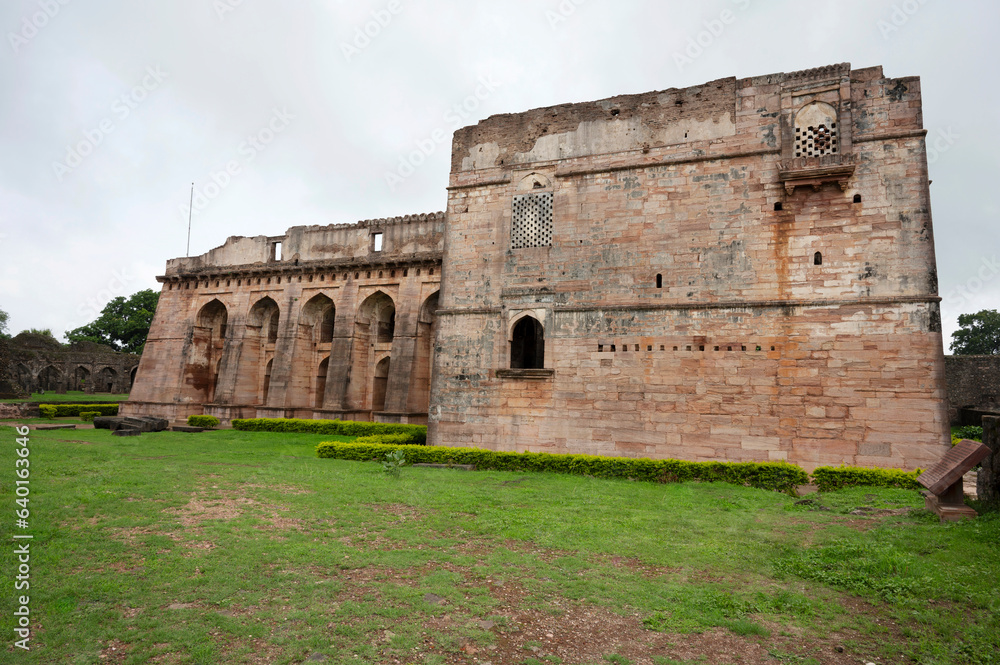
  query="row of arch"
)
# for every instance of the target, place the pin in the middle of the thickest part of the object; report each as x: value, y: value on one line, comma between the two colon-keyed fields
x: 51, y: 378
x: 252, y: 361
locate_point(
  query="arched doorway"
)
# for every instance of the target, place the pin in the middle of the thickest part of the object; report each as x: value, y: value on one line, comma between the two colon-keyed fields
x: 105, y: 381
x: 48, y: 378
x: 527, y: 344
x: 313, y: 343
x: 379, y: 383
x: 320, y: 390
x: 266, y: 388
x: 258, y: 344
x: 424, y: 365
x: 374, y: 330
x: 207, y: 343
x: 81, y: 376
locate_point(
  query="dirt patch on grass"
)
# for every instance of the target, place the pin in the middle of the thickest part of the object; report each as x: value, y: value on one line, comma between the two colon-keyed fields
x: 225, y: 506
x: 116, y: 651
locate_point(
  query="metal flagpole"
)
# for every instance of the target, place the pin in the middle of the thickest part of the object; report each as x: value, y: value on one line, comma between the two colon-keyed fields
x: 187, y: 252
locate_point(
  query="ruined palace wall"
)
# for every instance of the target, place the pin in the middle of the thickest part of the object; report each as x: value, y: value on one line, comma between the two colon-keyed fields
x: 849, y: 367
x: 191, y: 367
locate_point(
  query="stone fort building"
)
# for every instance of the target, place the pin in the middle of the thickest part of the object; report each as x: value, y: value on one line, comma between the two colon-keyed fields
x: 741, y: 270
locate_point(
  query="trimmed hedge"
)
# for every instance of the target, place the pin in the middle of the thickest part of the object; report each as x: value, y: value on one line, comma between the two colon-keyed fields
x: 387, y: 439
x: 72, y: 410
x: 417, y: 433
x: 203, y: 421
x: 88, y: 415
x: 778, y: 476
x: 47, y: 411
x: 835, y: 477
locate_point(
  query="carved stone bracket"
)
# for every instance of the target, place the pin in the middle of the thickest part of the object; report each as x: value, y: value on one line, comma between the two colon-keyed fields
x: 814, y: 172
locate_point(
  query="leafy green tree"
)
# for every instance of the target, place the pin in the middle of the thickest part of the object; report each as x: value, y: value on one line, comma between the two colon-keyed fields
x: 123, y: 324
x: 978, y: 334
x: 4, y: 318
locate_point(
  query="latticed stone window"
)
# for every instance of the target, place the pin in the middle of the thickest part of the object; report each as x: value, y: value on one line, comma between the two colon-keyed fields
x: 814, y: 141
x: 531, y: 221
x: 816, y: 130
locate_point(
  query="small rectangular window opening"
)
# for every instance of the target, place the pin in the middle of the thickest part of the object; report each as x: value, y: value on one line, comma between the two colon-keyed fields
x: 276, y: 251
x: 376, y: 242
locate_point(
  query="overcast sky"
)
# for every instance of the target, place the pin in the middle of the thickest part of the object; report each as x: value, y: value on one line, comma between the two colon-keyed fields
x: 309, y: 112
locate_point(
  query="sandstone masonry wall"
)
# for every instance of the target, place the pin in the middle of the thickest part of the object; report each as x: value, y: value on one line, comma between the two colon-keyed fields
x: 333, y: 327
x: 686, y: 312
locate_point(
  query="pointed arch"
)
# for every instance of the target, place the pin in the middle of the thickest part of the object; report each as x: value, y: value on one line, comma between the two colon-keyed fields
x: 424, y: 362
x: 106, y: 379
x: 215, y: 317
x: 208, y: 337
x: 49, y: 378
x: 317, y: 319
x: 379, y: 312
x: 264, y: 316
x: 374, y: 330
x: 81, y: 378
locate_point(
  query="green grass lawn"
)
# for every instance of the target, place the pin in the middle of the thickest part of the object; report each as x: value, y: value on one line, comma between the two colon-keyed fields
x: 70, y: 397
x: 239, y: 547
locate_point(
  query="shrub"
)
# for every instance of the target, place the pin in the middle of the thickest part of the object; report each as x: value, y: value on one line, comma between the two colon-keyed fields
x: 387, y: 439
x: 74, y: 410
x: 974, y: 432
x: 393, y: 462
x: 417, y: 433
x: 88, y: 415
x: 835, y: 477
x: 779, y: 476
x: 47, y: 411
x: 203, y: 421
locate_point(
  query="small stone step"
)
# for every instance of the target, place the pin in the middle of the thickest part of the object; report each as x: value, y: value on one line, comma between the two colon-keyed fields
x: 46, y: 427
x: 127, y: 431
x: 186, y: 428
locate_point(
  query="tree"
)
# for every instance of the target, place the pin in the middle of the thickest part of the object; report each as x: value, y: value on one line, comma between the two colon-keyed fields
x: 4, y: 318
x: 123, y: 324
x: 978, y: 334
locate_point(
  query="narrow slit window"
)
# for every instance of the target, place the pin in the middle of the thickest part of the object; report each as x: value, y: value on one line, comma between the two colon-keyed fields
x: 818, y: 259
x: 659, y: 281
x: 376, y: 242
